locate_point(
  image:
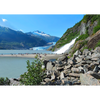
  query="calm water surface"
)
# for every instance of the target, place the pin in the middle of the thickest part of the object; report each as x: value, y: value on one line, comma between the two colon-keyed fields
x: 13, y: 67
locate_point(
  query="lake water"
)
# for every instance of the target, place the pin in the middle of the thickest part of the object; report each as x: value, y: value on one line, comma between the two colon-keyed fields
x: 13, y: 67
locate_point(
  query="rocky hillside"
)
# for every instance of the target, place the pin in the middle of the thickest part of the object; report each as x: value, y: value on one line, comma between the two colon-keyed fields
x: 86, y: 30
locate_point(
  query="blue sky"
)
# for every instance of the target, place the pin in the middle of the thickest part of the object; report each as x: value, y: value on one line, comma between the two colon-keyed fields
x: 55, y: 25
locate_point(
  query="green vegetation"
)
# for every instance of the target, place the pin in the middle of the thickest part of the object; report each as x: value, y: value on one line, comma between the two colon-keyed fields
x: 82, y: 37
x: 96, y: 28
x: 67, y: 39
x: 4, y: 81
x: 93, y: 18
x: 74, y: 31
x: 83, y: 43
x: 10, y: 39
x: 34, y: 74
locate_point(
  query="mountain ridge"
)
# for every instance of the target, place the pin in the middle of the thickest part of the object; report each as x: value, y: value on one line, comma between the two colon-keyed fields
x: 44, y: 36
x: 11, y: 39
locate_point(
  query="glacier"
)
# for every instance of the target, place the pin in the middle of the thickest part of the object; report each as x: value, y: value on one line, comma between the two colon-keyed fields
x: 66, y: 47
x: 43, y: 47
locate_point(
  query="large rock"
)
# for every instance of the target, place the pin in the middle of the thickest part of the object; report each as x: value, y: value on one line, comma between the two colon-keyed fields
x: 78, y: 59
x: 96, y: 69
x: 86, y: 52
x: 52, y: 76
x: 97, y: 49
x: 49, y: 66
x: 45, y: 63
x: 74, y: 74
x: 92, y: 66
x: 95, y: 59
x: 77, y: 53
x: 60, y: 68
x: 70, y: 61
x: 78, y: 64
x: 76, y: 70
x: 63, y: 58
x: 96, y: 55
x: 67, y: 66
x: 85, y: 68
x: 47, y: 79
x: 87, y: 79
x: 61, y: 75
x: 87, y: 58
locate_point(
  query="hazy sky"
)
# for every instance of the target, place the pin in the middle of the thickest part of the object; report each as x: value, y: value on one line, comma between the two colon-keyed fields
x: 54, y: 25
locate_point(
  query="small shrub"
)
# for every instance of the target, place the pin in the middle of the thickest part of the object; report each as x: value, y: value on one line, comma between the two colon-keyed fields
x: 4, y: 81
x: 68, y: 57
x: 34, y: 74
x: 96, y: 28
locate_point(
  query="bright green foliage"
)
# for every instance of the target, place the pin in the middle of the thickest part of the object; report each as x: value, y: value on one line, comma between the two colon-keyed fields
x: 82, y: 37
x: 96, y: 28
x: 34, y: 74
x: 86, y: 18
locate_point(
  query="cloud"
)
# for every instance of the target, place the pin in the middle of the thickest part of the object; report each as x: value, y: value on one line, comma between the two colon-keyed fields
x: 4, y: 20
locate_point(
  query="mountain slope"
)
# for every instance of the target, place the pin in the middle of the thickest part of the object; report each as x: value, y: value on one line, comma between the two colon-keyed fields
x: 87, y: 31
x: 44, y: 36
x: 10, y: 39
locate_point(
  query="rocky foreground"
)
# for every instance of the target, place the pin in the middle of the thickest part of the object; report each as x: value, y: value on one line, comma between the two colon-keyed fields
x: 81, y: 69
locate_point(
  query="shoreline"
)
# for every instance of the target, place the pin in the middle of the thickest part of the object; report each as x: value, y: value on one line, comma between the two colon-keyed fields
x: 41, y: 56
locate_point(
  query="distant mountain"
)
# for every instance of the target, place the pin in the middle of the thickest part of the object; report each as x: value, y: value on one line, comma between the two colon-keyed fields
x: 44, y: 36
x: 11, y: 39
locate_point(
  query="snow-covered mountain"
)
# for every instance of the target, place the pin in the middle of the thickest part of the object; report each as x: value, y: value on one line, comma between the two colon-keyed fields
x: 44, y: 36
x: 40, y: 33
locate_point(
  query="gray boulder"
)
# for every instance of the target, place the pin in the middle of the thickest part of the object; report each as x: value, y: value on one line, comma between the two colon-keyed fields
x: 61, y: 75
x: 76, y: 70
x: 87, y: 79
x: 63, y: 58
x: 85, y: 52
x: 47, y: 79
x: 45, y: 63
x: 67, y: 66
x: 77, y: 53
x: 78, y: 59
x: 70, y: 61
x: 87, y: 58
x: 60, y: 68
x: 49, y: 66
x: 92, y: 66
x: 95, y: 59
x: 96, y: 55
x: 96, y: 69
x: 85, y: 68
x: 97, y: 49
x: 52, y: 76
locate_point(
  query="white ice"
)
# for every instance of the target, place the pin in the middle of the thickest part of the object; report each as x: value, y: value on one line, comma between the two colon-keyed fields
x: 65, y: 47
